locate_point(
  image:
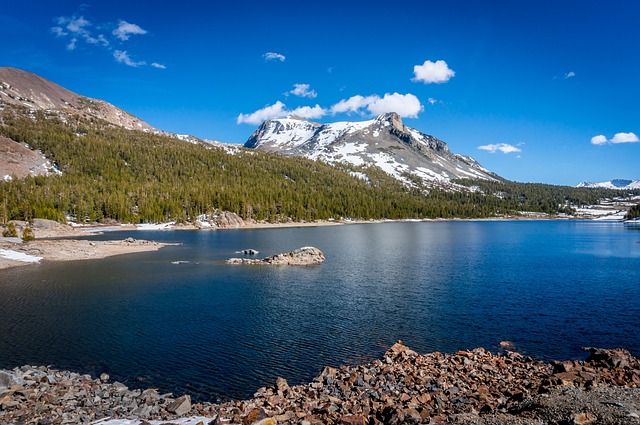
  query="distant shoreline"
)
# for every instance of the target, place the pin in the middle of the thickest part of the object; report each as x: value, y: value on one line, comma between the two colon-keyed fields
x: 67, y: 245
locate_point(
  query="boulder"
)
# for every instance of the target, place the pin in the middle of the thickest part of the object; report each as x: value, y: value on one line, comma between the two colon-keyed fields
x: 300, y: 257
x: 180, y: 406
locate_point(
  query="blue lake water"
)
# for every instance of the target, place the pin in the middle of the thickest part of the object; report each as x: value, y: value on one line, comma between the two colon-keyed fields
x: 221, y: 331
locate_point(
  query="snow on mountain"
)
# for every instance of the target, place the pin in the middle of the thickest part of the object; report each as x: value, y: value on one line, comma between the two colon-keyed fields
x: 613, y: 184
x: 385, y: 142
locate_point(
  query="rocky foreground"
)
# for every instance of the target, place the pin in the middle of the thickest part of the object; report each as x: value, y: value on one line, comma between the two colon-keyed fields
x: 404, y: 387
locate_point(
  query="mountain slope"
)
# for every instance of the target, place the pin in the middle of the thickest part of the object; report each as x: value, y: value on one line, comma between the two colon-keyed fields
x: 385, y: 142
x: 613, y: 184
x: 29, y: 90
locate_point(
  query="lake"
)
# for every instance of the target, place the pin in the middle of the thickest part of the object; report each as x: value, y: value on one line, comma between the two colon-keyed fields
x: 182, y: 320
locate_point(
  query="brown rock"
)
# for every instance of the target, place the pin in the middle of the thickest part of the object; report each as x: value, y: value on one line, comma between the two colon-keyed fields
x: 353, y: 420
x: 180, y: 406
x: 584, y: 419
x: 282, y: 386
x: 266, y: 421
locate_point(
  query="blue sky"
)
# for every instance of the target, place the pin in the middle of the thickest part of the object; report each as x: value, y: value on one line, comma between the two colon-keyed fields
x: 538, y: 91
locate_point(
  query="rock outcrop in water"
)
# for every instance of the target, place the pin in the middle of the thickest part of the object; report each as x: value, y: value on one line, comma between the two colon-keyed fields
x: 404, y: 387
x: 305, y: 256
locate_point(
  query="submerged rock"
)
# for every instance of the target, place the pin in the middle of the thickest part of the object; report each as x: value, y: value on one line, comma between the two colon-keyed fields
x: 300, y: 257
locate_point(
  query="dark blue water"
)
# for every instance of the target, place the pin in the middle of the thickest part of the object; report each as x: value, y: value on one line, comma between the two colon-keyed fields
x: 217, y: 331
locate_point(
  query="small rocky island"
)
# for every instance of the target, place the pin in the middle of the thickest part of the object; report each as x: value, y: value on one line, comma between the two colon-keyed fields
x: 304, y: 256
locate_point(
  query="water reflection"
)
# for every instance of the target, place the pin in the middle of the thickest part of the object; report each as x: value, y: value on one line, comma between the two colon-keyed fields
x: 213, y: 330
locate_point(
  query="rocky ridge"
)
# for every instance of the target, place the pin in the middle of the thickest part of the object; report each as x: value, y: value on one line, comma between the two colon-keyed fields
x: 403, y: 152
x: 18, y: 87
x: 404, y: 387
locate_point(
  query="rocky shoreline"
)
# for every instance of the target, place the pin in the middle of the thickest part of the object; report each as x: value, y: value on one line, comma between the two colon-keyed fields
x: 404, y: 387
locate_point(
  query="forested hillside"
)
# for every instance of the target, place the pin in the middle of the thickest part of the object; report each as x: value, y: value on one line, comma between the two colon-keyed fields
x: 133, y: 176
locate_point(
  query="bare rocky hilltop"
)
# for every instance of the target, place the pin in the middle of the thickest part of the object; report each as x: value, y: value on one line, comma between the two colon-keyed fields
x: 404, y: 387
x: 18, y: 87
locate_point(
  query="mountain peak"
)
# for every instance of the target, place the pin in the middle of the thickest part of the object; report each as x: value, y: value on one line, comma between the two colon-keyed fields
x: 403, y: 152
x: 393, y: 119
x: 296, y: 117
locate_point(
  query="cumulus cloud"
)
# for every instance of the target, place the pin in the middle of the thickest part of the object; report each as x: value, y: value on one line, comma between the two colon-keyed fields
x: 279, y: 110
x: 123, y: 57
x: 158, y: 65
x: 354, y: 104
x: 310, y: 112
x: 618, y: 138
x: 272, y: 56
x: 433, y: 72
x: 406, y: 105
x: 125, y: 29
x: 303, y: 90
x: 569, y: 74
x: 625, y: 138
x: 502, y: 147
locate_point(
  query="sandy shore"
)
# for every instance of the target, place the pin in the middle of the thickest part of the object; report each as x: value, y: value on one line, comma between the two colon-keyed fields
x: 14, y: 254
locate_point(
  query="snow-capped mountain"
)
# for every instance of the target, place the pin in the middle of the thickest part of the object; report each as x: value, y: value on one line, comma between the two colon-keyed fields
x: 613, y: 184
x: 401, y: 151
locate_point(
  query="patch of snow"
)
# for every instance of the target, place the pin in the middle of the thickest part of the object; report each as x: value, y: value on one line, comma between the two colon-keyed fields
x: 155, y: 226
x: 360, y: 175
x: 19, y: 256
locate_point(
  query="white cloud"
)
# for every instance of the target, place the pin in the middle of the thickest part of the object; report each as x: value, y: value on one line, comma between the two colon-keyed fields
x: 502, y: 147
x: 353, y: 105
x: 432, y: 101
x: 77, y: 29
x: 625, y: 138
x: 125, y: 29
x: 277, y: 110
x: 72, y: 44
x: 302, y: 90
x: 100, y: 39
x: 433, y: 72
x: 271, y: 56
x: 406, y: 105
x: 123, y: 57
x: 59, y: 32
x: 569, y: 74
x: 77, y: 25
x: 309, y: 112
x: 618, y: 138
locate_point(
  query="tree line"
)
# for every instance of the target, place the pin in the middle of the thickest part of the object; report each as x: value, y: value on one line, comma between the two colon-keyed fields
x: 110, y: 173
